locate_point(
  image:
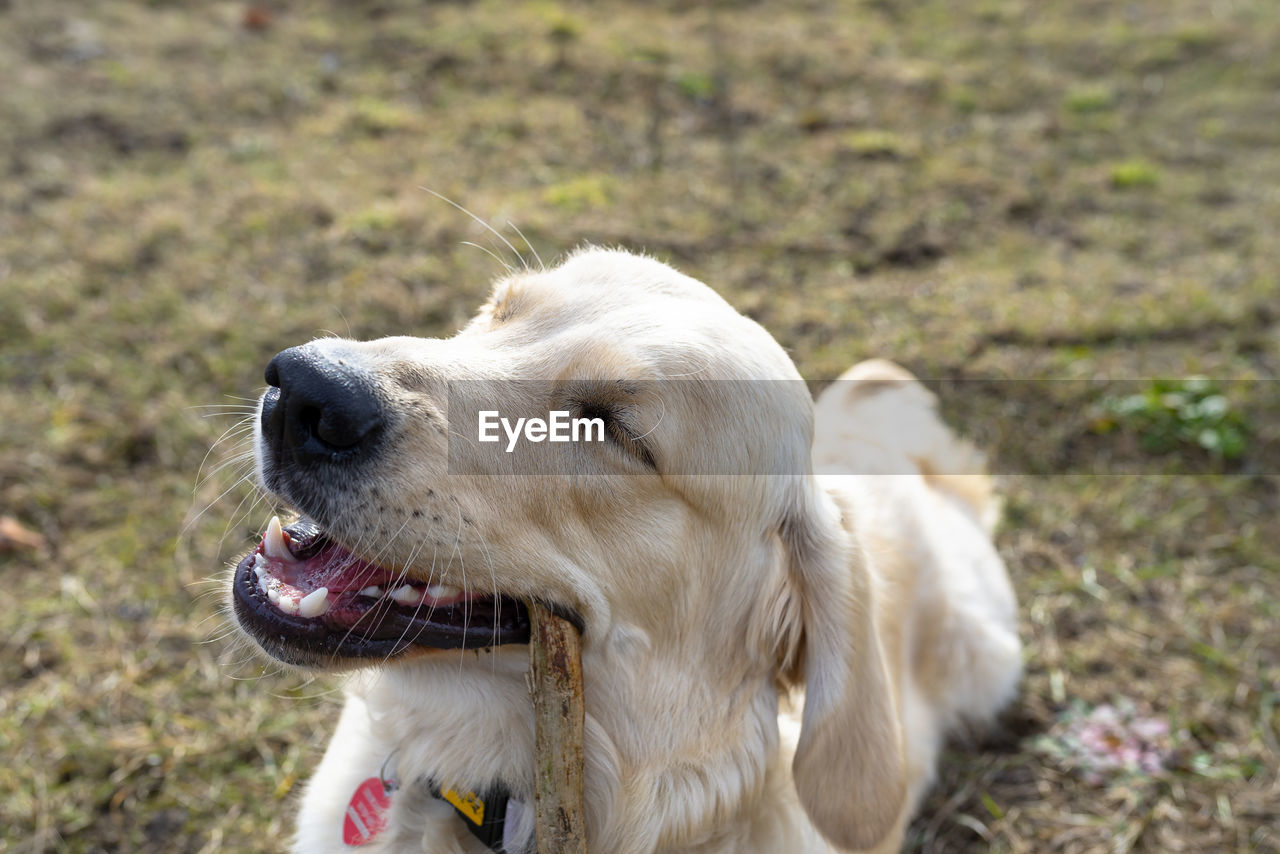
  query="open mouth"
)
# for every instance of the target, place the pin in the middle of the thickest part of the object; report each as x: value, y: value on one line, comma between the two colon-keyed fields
x: 307, y: 601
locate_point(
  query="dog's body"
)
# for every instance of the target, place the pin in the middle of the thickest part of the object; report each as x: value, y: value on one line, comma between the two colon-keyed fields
x: 786, y: 607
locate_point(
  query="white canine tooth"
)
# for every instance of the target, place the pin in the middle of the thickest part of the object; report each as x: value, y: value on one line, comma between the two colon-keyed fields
x: 443, y: 591
x: 288, y: 605
x: 405, y: 595
x: 273, y: 593
x: 273, y: 542
x: 374, y: 591
x: 314, y: 603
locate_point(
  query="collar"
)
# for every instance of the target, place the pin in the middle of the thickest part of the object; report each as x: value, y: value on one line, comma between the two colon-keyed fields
x: 502, y: 824
x: 483, y: 813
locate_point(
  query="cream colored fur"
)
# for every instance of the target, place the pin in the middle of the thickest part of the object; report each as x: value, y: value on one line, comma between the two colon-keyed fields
x: 771, y: 661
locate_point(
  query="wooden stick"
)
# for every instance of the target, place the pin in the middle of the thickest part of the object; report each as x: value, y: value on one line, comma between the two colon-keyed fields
x: 559, y: 712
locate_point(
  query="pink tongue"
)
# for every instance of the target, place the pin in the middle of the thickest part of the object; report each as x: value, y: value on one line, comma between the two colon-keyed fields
x: 334, y: 568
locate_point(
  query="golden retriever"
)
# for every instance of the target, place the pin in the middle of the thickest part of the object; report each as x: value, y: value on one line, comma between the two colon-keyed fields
x: 785, y: 606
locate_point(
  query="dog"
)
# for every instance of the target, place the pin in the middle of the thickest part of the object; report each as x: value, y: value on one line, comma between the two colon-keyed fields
x: 785, y: 607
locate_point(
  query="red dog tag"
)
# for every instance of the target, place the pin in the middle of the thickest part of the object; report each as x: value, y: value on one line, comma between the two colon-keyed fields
x: 367, y: 812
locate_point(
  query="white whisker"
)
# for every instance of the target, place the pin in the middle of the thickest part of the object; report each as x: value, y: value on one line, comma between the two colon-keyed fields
x: 486, y: 226
x: 536, y: 256
x: 491, y: 254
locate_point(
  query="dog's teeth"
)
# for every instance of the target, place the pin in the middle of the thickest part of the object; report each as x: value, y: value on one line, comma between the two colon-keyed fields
x: 259, y: 566
x: 406, y: 595
x: 314, y: 603
x: 288, y: 605
x: 273, y: 593
x: 273, y: 542
x: 374, y: 591
x: 443, y: 591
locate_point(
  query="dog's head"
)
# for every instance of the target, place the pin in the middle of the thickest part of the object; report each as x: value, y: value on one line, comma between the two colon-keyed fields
x: 678, y: 524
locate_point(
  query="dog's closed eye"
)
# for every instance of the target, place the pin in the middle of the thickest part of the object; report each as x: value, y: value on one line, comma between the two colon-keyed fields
x: 619, y: 428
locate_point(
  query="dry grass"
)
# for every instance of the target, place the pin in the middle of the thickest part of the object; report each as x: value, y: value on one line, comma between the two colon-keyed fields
x: 997, y: 189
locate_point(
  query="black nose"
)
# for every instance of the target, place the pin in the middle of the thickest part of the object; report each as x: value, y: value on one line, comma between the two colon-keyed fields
x: 319, y: 408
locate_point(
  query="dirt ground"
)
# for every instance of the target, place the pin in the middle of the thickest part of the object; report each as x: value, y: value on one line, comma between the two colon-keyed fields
x: 1024, y: 202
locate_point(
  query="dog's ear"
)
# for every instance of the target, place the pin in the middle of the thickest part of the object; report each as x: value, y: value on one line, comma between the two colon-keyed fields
x: 848, y: 766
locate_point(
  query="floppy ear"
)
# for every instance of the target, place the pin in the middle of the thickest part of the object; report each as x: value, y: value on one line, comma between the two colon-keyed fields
x: 848, y: 766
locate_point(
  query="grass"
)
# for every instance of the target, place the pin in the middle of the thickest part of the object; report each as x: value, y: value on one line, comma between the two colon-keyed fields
x: 983, y: 192
x: 1134, y: 174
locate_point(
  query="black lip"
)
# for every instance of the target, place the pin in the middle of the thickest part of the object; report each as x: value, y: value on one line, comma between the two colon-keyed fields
x: 388, y: 631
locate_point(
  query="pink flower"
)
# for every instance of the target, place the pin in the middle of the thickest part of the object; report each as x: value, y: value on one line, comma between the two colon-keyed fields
x: 1110, y: 741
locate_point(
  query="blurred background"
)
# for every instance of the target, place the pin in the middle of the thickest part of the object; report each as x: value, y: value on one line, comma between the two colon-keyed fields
x: 999, y: 194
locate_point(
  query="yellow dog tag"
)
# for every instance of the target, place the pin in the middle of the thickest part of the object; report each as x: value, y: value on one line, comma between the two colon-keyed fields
x: 467, y: 803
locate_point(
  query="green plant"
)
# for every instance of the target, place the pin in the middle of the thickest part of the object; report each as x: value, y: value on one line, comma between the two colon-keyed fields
x: 697, y: 85
x: 1134, y: 174
x: 580, y: 193
x: 1090, y: 99
x: 1172, y: 415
